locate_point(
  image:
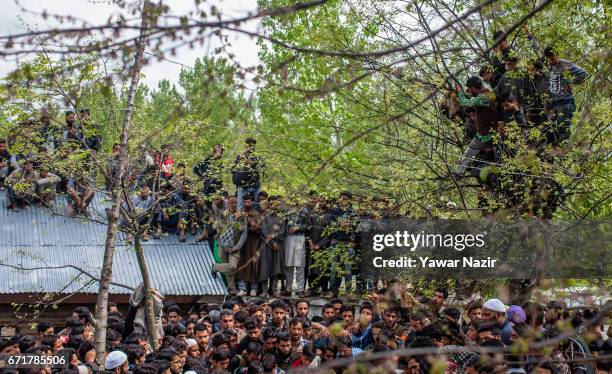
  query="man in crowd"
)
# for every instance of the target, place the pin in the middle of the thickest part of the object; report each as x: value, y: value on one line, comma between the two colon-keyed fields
x: 116, y: 362
x: 45, y: 184
x: 210, y: 170
x: 494, y: 310
x: 5, y: 160
x: 440, y: 296
x: 287, y: 341
x: 483, y: 102
x: 562, y: 75
x: 319, y: 219
x: 142, y: 203
x: 180, y: 177
x: 295, y: 250
x: 165, y: 162
x: 340, y: 243
x: 202, y: 337
x: 21, y: 187
x: 91, y: 132
x: 81, y: 192
x: 72, y: 132
x: 248, y: 265
x: 247, y: 171
x: 233, y: 232
x: 271, y: 261
x: 49, y: 133
x: 500, y: 54
x: 173, y: 210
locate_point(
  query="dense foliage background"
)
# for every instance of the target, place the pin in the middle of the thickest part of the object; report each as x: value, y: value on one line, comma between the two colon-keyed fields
x: 331, y: 113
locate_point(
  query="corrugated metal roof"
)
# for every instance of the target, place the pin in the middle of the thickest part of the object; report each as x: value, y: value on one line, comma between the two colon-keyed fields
x: 50, y: 242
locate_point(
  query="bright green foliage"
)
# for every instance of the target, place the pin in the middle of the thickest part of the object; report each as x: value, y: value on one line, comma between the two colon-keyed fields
x: 372, y: 124
x: 329, y: 117
x: 205, y: 109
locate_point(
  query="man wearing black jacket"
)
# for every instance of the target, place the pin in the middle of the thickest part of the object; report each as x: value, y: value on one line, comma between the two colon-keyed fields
x: 91, y: 132
x: 209, y: 170
x: 500, y: 55
x: 253, y: 328
x: 340, y: 242
x: 246, y: 173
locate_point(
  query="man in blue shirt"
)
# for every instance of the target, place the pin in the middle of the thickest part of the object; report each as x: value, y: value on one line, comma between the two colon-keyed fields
x: 494, y: 310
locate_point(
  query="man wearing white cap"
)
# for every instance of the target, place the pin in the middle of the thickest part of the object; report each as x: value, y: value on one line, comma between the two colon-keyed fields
x: 193, y: 349
x: 494, y: 310
x: 116, y: 362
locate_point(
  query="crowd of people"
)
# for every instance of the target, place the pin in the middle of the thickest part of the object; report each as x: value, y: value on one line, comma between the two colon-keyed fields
x: 278, y: 335
x: 29, y: 176
x: 266, y: 244
x: 535, y: 93
x: 519, y: 100
x: 270, y: 247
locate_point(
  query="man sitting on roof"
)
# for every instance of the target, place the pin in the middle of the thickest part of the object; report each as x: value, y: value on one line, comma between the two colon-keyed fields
x: 81, y: 191
x: 21, y: 187
x: 45, y: 184
x: 141, y: 203
x: 172, y: 215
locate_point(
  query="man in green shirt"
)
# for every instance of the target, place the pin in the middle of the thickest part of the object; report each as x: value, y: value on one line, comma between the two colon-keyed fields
x: 482, y: 100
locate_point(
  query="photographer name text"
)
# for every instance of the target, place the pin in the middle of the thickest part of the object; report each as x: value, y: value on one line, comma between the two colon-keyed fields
x: 427, y: 262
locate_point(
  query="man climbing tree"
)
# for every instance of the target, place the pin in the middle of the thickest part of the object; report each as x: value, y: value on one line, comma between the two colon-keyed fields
x: 486, y: 117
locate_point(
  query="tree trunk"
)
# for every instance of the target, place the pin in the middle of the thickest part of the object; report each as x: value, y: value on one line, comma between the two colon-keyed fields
x: 520, y: 290
x: 113, y: 215
x: 146, y: 282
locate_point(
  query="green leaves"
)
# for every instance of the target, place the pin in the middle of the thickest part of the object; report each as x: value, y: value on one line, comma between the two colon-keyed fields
x: 384, y: 133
